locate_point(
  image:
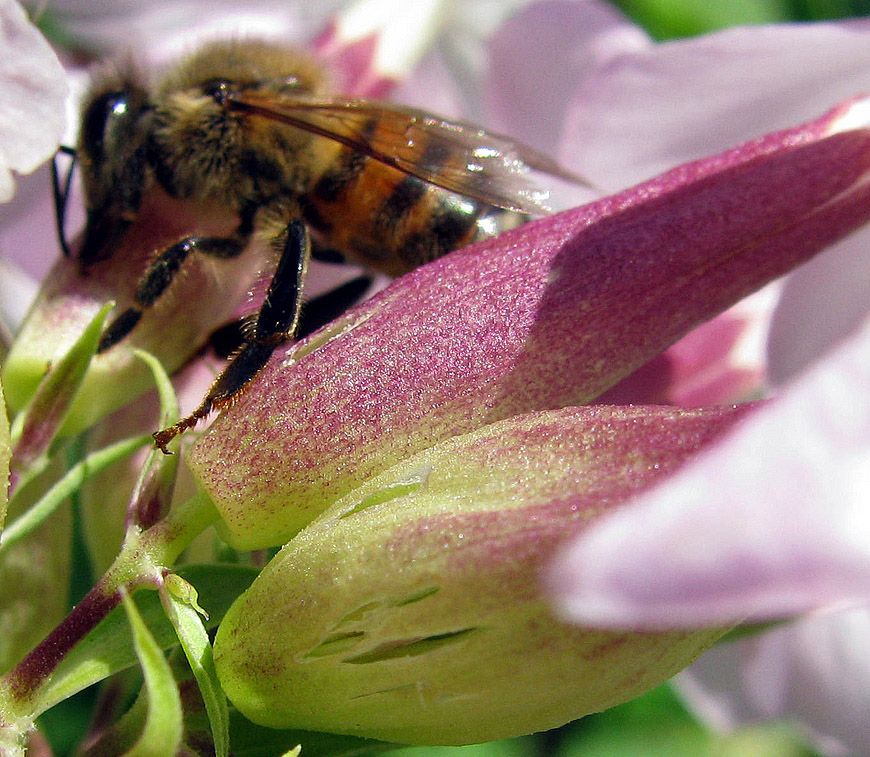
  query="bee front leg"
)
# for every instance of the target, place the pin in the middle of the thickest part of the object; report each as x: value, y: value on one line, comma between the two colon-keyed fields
x: 276, y: 323
x: 163, y: 269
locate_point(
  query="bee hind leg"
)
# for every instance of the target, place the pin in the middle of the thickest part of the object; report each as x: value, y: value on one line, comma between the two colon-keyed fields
x: 276, y: 323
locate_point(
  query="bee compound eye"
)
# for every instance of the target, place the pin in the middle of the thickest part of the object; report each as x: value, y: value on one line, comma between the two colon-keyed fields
x: 100, y: 122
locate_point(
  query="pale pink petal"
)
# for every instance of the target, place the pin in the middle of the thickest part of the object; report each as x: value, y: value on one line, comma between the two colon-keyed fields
x: 28, y: 235
x: 433, y: 87
x: 820, y: 303
x: 33, y: 90
x: 17, y: 291
x: 772, y: 522
x: 815, y: 670
x: 158, y: 32
x: 539, y: 57
x: 646, y: 111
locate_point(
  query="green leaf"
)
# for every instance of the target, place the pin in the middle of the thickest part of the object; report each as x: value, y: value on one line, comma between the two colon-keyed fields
x: 665, y: 19
x: 38, y: 424
x: 164, y: 724
x: 108, y: 648
x: 180, y: 602
x: 659, y: 725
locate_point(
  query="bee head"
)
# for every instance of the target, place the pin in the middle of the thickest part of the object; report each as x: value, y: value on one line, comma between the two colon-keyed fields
x: 112, y: 154
x: 246, y: 64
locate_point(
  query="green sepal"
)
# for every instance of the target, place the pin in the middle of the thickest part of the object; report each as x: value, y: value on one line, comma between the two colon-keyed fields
x: 252, y: 740
x: 181, y: 604
x: 164, y: 724
x: 46, y: 411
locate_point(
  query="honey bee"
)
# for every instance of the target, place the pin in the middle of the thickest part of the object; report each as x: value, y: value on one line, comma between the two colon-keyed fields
x: 252, y: 126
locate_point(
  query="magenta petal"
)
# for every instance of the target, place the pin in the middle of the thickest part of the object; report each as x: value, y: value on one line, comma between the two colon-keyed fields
x: 546, y: 316
x: 773, y: 522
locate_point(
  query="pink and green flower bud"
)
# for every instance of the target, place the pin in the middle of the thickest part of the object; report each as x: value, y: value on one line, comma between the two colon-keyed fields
x: 549, y: 315
x: 412, y: 609
x: 173, y: 330
x: 54, y: 396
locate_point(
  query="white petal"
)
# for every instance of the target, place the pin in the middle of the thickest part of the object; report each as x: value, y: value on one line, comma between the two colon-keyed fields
x: 32, y: 95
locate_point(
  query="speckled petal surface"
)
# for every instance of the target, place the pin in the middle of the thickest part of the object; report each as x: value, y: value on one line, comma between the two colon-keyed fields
x: 549, y: 315
x: 412, y: 610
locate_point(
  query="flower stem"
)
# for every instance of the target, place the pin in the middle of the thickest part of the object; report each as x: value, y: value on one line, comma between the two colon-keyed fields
x: 144, y: 557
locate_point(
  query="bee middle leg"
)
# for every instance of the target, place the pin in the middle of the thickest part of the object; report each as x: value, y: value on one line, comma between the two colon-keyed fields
x: 276, y: 323
x: 163, y: 269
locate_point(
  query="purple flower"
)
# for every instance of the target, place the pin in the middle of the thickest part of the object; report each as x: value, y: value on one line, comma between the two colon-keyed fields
x: 784, y: 550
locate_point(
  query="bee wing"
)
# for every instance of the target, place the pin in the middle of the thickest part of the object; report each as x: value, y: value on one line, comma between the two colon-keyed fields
x: 456, y: 156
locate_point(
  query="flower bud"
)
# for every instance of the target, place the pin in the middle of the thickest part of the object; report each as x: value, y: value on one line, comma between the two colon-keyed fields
x: 412, y: 611
x: 201, y: 297
x: 550, y: 314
